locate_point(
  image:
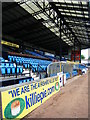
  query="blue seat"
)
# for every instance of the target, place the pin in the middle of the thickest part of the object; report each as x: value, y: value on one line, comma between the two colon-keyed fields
x: 21, y: 69
x: 33, y: 69
x: 8, y: 70
x: 25, y: 80
x: 17, y: 70
x: 13, y: 59
x: 28, y: 80
x: 67, y: 75
x: 2, y: 60
x: 28, y: 65
x: 25, y: 66
x: 11, y: 65
x: 3, y: 70
x: 20, y: 62
x: 20, y: 81
x: 10, y: 58
x: 17, y: 62
x: 3, y: 64
x: 7, y: 64
x: 32, y: 79
x: 13, y: 70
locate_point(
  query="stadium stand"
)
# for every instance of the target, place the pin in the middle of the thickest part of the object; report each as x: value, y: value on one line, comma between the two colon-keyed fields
x: 23, y: 67
x: 27, y: 67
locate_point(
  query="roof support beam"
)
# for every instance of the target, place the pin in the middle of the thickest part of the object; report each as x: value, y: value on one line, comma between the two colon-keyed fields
x: 60, y: 41
x: 62, y: 17
x: 76, y: 17
x: 72, y: 8
x: 69, y: 4
x: 55, y: 19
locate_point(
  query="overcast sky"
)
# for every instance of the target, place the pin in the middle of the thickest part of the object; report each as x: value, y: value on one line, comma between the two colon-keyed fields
x: 86, y: 53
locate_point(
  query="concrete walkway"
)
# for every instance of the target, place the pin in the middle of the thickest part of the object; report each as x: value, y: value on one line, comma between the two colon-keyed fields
x: 70, y: 102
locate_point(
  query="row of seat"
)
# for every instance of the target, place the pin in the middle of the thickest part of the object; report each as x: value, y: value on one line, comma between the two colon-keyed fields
x: 7, y: 64
x: 51, y: 57
x: 10, y: 70
x: 36, y: 66
x: 26, y: 80
x: 26, y: 62
x: 35, y: 54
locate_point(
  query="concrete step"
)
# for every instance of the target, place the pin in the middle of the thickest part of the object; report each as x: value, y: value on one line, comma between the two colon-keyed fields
x: 33, y: 76
x: 26, y: 71
x: 27, y: 75
x: 36, y: 78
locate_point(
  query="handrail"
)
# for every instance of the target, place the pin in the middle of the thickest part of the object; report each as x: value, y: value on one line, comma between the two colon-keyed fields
x: 40, y: 66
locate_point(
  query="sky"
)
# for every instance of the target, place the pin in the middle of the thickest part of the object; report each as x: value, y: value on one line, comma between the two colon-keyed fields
x: 86, y: 53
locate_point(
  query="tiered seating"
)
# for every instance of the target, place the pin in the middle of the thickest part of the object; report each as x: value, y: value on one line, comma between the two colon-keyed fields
x: 40, y: 55
x: 26, y: 62
x: 8, y: 68
x: 51, y: 57
x: 35, y: 54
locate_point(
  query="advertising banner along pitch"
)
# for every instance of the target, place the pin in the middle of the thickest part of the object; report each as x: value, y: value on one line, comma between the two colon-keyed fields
x: 19, y: 101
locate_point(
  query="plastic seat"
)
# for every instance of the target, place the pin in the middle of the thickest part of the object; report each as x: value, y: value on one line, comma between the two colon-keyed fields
x: 13, y: 59
x: 24, y: 80
x: 20, y: 62
x: 20, y: 81
x: 21, y: 69
x: 28, y: 65
x: 9, y: 58
x: 25, y: 65
x: 17, y: 70
x: 8, y: 70
x: 28, y: 80
x: 2, y: 60
x: 3, y: 70
x: 32, y: 79
x: 2, y: 64
x: 13, y: 70
x: 7, y: 64
x: 17, y: 62
x: 11, y: 65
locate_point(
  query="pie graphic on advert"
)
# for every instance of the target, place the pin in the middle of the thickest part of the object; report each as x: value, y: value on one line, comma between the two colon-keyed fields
x: 57, y: 85
x: 15, y: 107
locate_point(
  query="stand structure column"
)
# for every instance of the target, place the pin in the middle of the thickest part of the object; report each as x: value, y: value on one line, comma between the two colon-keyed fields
x: 80, y: 54
x: 74, y: 50
x: 60, y: 41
